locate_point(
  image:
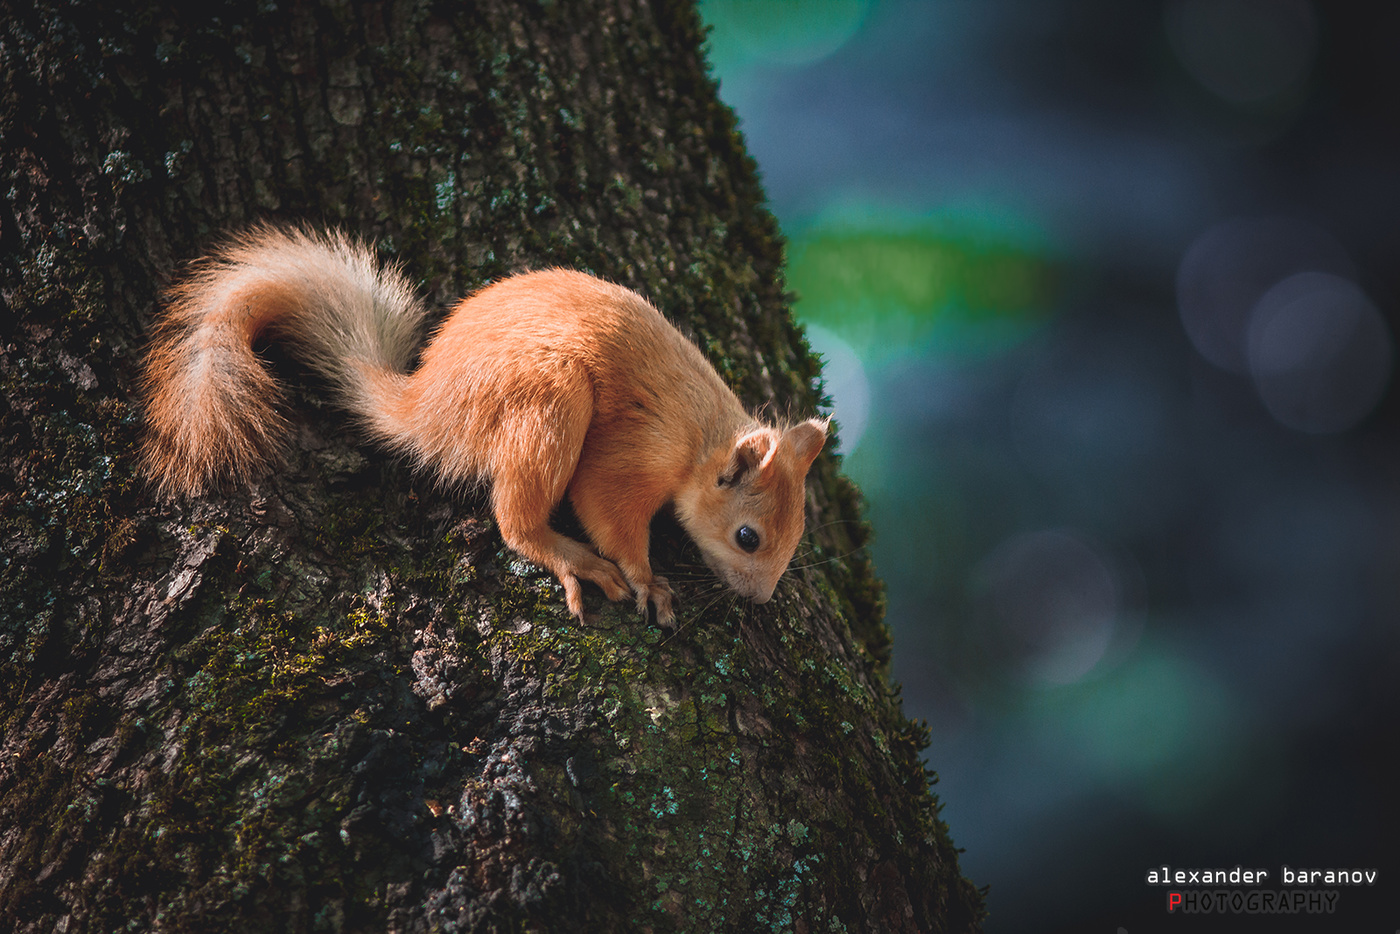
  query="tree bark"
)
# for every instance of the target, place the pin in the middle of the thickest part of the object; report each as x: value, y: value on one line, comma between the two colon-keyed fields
x: 332, y: 701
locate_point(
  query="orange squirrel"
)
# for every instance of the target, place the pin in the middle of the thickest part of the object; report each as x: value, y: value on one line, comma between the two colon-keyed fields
x: 546, y: 384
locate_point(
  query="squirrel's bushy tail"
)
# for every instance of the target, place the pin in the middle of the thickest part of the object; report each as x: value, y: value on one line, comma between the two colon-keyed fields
x: 212, y: 406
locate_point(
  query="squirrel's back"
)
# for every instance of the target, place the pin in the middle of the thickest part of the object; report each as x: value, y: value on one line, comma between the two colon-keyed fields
x: 584, y: 344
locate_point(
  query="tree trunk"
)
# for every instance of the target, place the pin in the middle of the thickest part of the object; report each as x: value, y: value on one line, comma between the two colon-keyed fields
x: 333, y: 701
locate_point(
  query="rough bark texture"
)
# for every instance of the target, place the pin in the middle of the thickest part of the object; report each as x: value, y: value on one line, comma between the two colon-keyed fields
x: 333, y: 701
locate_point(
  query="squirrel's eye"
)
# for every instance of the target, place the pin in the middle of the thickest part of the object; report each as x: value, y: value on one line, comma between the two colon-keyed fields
x: 747, y: 539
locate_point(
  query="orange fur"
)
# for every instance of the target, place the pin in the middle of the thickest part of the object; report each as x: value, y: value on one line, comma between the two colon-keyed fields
x: 547, y: 384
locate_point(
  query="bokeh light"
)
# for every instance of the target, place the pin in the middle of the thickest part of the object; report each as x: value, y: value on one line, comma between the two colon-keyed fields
x: 1274, y: 298
x: 843, y: 378
x: 891, y: 287
x: 780, y: 32
x: 1053, y: 604
x: 1230, y: 267
x: 1319, y: 351
x: 1160, y: 727
x: 1244, y: 51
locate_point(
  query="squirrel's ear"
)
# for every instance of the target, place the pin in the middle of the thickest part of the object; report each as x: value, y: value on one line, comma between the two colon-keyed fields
x: 754, y: 451
x: 807, y: 439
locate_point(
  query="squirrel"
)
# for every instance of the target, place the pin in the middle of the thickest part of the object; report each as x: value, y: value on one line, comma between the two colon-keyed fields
x: 544, y: 384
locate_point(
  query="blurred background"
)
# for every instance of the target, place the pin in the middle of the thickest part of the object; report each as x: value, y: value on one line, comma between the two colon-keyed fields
x: 1108, y: 294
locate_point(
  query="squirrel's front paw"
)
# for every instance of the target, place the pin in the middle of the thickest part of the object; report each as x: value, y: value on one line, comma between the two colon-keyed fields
x: 600, y: 571
x: 658, y: 594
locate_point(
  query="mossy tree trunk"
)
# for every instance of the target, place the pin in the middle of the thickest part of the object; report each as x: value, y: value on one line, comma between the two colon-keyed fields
x: 333, y: 701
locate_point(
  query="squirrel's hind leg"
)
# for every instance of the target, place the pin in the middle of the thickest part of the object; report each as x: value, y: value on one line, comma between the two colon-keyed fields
x: 536, y: 453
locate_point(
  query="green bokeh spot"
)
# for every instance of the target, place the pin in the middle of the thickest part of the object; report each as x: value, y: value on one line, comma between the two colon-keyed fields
x: 782, y: 32
x: 1158, y: 724
x: 888, y: 289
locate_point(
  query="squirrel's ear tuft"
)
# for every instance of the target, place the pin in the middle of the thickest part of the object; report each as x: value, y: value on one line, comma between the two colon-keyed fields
x: 807, y: 439
x: 753, y: 452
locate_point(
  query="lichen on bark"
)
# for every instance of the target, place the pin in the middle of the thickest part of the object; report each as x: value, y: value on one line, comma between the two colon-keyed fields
x: 332, y: 700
